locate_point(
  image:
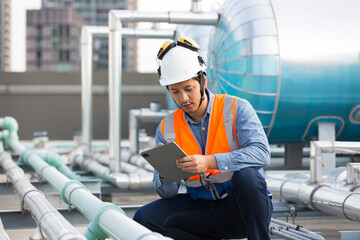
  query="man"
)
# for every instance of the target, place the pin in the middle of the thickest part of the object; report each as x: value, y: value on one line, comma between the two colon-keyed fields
x: 227, y: 149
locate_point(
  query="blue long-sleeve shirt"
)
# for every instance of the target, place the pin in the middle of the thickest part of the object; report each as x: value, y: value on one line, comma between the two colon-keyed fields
x: 254, y: 145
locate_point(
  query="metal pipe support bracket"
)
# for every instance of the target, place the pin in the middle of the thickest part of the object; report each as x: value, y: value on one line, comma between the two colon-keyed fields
x: 62, y: 192
x: 343, y: 206
x: 317, y: 187
x: 93, y: 226
x: 23, y: 198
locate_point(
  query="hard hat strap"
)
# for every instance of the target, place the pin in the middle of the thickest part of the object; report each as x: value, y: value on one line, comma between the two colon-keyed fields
x: 202, y: 90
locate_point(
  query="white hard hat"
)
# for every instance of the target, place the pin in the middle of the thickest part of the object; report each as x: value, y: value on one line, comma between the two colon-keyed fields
x: 179, y: 64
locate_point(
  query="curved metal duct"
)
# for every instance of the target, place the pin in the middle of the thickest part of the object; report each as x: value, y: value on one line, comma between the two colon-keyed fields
x: 296, y: 65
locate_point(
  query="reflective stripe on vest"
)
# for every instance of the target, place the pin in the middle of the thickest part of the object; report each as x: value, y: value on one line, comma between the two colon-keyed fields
x: 221, y: 137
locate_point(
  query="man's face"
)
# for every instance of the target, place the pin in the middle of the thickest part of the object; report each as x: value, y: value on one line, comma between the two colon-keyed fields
x: 186, y: 94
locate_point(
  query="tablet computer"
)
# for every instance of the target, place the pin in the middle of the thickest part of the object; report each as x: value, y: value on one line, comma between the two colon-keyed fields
x: 163, y: 159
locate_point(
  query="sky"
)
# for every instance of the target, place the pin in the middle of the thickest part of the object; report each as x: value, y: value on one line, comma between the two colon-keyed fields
x: 147, y: 48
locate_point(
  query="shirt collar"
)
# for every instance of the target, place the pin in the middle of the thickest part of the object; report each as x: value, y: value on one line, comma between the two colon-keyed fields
x: 208, y: 108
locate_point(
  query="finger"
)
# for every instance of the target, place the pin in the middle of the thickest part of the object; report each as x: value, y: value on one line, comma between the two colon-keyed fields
x: 185, y: 159
x: 159, y: 144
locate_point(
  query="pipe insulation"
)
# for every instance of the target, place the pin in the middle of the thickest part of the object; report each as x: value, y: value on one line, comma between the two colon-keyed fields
x: 126, y: 157
x: 138, y: 179
x: 319, y: 197
x: 51, y: 224
x: 105, y: 218
x: 317, y: 148
x: 116, y: 18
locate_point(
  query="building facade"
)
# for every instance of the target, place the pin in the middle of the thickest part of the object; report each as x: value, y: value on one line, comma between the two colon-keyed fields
x: 5, y: 35
x: 95, y: 13
x: 53, y: 40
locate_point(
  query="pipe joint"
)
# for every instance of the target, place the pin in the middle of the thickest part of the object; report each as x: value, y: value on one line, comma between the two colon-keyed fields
x: 115, y: 23
x: 86, y: 37
x: 24, y: 156
x: 347, y: 207
x: 67, y: 184
x: 8, y: 137
x: 10, y: 133
x: 10, y: 124
x: 53, y: 159
x: 94, y: 227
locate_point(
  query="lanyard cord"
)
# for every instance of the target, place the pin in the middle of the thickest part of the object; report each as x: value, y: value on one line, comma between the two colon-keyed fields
x: 209, y: 186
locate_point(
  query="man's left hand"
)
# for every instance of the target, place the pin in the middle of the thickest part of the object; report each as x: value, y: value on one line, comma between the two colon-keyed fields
x: 197, y: 163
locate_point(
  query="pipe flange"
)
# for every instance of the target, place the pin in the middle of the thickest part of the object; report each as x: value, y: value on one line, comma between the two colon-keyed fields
x: 94, y: 224
x: 343, y: 205
x: 69, y: 201
x: 23, y: 198
x: 312, y: 194
x: 281, y: 187
x: 41, y: 171
x: 62, y: 192
x: 25, y: 155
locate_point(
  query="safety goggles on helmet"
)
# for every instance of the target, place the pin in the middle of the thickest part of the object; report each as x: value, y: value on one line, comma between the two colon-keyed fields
x: 185, y: 42
x: 186, y: 63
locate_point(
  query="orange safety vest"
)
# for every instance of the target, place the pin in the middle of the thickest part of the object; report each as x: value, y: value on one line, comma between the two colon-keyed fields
x: 221, y: 137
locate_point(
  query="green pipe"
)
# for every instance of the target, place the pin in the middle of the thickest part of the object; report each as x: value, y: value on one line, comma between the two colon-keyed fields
x: 11, y: 125
x: 102, y: 215
x: 52, y: 159
x: 89, y: 235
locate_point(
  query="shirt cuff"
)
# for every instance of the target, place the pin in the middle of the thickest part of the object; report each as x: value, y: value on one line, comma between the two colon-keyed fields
x: 223, y: 161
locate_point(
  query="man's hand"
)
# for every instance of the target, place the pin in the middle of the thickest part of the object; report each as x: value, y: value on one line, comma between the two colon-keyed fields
x: 197, y: 163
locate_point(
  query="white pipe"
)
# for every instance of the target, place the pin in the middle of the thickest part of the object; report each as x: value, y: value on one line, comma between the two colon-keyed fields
x: 76, y: 89
x: 126, y: 157
x: 140, y: 179
x: 3, y: 234
x: 87, y: 34
x: 319, y: 147
x: 52, y: 225
x: 116, y: 17
x: 145, y: 115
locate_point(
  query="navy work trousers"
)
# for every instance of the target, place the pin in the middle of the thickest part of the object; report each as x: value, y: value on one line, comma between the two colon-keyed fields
x: 245, y: 212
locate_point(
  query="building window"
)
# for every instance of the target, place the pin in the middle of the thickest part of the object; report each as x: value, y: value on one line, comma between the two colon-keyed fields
x: 54, y: 27
x: 38, y: 31
x: 67, y: 56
